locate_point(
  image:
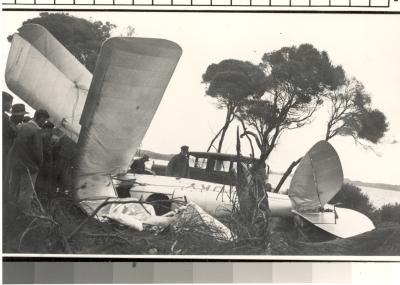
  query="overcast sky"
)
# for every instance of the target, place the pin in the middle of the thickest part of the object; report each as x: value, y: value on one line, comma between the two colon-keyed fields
x: 367, y: 46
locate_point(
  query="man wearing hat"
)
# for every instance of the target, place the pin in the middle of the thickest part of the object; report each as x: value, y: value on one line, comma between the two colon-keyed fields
x: 178, y: 166
x: 17, y: 114
x: 26, y: 158
x: 138, y: 165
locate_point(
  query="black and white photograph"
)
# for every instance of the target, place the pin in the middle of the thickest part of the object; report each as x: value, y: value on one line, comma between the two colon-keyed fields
x: 201, y: 135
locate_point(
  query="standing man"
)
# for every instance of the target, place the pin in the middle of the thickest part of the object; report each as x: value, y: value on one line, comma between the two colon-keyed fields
x: 64, y: 153
x: 26, y: 158
x: 17, y: 114
x: 44, y: 182
x: 7, y: 130
x: 178, y: 166
x: 8, y: 136
x: 138, y: 165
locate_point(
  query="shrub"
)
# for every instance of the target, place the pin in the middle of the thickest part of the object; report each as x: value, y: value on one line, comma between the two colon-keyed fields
x: 350, y: 196
x: 390, y: 213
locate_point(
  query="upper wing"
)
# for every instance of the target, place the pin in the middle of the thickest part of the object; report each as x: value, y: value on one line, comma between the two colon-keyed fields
x: 317, y: 179
x: 43, y: 73
x: 129, y: 81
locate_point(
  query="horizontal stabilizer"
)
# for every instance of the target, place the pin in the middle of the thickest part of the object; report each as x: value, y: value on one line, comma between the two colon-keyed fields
x: 340, y: 222
x: 46, y: 75
x: 57, y: 54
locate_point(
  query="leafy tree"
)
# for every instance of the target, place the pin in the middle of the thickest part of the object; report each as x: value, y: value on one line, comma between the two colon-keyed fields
x: 390, y: 213
x: 231, y: 81
x: 297, y: 78
x: 81, y: 37
x: 128, y: 31
x: 351, y: 196
x: 350, y: 114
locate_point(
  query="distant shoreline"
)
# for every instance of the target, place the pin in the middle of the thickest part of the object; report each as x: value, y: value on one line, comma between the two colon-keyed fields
x: 384, y: 186
x: 374, y: 185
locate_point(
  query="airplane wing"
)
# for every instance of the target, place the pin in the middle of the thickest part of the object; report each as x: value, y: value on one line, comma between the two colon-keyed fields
x: 44, y: 74
x: 129, y: 81
x: 317, y: 179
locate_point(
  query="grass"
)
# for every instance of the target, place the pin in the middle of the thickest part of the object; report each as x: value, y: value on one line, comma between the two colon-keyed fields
x: 49, y: 234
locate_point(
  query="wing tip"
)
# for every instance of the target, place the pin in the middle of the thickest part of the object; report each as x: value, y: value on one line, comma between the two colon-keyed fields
x: 151, y: 42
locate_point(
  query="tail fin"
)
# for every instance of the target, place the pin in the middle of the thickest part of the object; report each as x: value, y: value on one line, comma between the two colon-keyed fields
x: 317, y: 179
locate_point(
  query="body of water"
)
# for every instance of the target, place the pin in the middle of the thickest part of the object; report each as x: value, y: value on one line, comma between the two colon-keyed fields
x: 378, y: 197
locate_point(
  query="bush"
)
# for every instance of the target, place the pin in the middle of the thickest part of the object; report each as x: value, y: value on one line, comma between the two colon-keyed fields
x: 390, y: 213
x: 350, y: 196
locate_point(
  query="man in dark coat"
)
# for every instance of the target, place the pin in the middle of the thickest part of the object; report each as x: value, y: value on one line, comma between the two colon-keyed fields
x: 64, y: 152
x: 7, y: 130
x: 178, y: 166
x: 26, y: 158
x: 44, y: 182
x: 8, y: 135
x: 138, y: 165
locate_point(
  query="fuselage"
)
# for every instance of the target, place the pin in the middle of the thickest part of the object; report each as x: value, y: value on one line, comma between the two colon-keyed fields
x: 216, y: 199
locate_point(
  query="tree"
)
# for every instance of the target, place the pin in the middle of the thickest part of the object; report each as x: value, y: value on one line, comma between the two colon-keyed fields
x: 350, y: 114
x: 231, y: 81
x: 254, y: 217
x: 297, y: 78
x: 351, y: 196
x: 128, y: 31
x: 81, y: 37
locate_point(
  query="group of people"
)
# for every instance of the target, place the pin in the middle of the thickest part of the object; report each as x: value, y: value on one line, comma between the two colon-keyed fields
x: 29, y: 148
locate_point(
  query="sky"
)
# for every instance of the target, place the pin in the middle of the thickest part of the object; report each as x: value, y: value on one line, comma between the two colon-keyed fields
x: 365, y: 45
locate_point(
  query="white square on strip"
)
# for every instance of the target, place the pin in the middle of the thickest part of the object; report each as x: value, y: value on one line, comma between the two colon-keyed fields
x: 84, y: 2
x: 362, y: 3
x: 181, y: 2
x: 380, y: 3
x: 142, y: 2
x: 123, y: 2
x: 260, y: 2
x: 202, y: 2
x: 59, y: 2
x: 240, y: 2
x: 280, y: 2
x: 221, y: 2
x: 162, y: 2
x: 319, y: 2
x: 340, y: 3
x: 104, y: 2
x: 44, y: 2
x: 24, y: 2
x: 300, y: 2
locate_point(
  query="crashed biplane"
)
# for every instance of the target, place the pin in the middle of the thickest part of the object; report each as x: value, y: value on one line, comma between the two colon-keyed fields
x: 108, y: 114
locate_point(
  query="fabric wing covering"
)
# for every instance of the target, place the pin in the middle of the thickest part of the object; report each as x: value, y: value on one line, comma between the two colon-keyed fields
x: 317, y: 179
x: 43, y: 73
x: 129, y: 81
